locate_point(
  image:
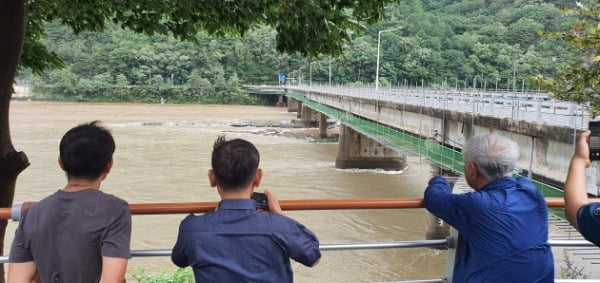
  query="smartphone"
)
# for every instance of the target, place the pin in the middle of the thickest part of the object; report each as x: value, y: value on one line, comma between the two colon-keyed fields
x: 261, y: 200
x: 594, y: 127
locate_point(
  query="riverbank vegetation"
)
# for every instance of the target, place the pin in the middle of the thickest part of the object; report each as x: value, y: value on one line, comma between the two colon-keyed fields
x: 491, y: 44
x: 182, y: 275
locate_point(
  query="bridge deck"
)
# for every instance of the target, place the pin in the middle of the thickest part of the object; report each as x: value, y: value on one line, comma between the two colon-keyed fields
x: 535, y: 108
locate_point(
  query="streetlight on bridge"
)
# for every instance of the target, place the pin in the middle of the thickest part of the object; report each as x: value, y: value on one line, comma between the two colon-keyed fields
x: 310, y: 73
x: 378, y: 45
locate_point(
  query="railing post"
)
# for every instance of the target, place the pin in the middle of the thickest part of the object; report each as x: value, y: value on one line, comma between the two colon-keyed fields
x: 518, y: 107
x: 514, y: 110
x: 15, y: 212
x: 451, y: 261
x: 572, y: 115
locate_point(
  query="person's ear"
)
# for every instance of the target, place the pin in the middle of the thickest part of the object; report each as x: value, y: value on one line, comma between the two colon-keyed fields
x: 107, y: 169
x: 108, y: 166
x: 472, y: 170
x: 212, y: 179
x: 257, y: 178
x: 60, y: 163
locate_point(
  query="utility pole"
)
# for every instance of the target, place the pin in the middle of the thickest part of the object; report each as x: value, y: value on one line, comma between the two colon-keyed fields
x: 378, y: 46
x: 330, y: 71
x: 310, y: 73
x: 515, y: 77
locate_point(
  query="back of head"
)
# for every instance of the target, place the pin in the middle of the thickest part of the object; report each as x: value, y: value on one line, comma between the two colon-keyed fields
x: 234, y: 163
x: 86, y: 150
x: 495, y: 156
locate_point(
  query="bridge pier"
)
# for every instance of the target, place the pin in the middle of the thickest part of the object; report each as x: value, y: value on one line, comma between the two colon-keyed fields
x: 358, y: 151
x: 307, y: 116
x: 280, y: 102
x: 293, y: 105
x: 322, y: 126
x: 299, y: 110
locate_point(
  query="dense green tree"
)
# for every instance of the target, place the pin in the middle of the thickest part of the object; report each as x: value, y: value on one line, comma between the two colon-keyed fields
x: 580, y: 80
x: 523, y: 32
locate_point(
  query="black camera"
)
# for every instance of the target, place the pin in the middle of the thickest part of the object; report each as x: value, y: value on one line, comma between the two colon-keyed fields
x: 261, y: 201
x: 594, y: 128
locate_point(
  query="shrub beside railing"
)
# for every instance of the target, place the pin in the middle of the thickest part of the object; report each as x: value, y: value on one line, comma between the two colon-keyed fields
x: 182, y: 275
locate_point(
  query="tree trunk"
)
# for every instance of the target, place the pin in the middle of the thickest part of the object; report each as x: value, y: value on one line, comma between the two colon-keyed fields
x: 13, y: 19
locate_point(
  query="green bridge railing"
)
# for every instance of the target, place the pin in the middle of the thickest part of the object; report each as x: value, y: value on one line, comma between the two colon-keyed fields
x: 440, y: 154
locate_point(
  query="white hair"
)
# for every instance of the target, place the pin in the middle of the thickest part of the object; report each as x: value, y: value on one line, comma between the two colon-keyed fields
x: 494, y: 155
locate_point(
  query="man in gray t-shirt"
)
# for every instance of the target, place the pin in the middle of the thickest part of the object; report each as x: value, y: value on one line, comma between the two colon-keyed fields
x: 78, y: 234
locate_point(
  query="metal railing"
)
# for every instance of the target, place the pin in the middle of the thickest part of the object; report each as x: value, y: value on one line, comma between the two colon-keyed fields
x: 323, y: 204
x: 530, y: 107
x: 14, y: 212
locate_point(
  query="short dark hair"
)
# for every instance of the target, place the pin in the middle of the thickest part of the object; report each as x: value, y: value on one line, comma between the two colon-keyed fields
x: 86, y: 150
x: 234, y: 163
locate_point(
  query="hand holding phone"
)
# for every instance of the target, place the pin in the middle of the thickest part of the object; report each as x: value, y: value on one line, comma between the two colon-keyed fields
x: 594, y: 127
x: 261, y: 201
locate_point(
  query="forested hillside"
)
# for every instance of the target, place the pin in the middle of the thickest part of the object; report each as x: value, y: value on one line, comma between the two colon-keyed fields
x: 445, y: 42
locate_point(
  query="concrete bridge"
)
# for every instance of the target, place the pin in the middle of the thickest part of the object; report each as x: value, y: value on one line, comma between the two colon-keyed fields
x: 380, y: 128
x: 276, y: 95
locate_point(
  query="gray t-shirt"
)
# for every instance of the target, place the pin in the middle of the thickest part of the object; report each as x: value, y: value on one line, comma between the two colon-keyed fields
x: 68, y: 233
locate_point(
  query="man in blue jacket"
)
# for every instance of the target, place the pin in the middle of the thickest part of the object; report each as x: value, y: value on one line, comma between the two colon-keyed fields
x: 503, y: 224
x: 239, y: 243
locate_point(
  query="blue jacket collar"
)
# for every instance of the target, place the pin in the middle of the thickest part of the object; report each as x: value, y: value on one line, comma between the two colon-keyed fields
x: 504, y: 183
x: 237, y: 204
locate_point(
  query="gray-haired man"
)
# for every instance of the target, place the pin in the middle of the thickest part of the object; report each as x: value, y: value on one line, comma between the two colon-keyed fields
x: 503, y: 225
